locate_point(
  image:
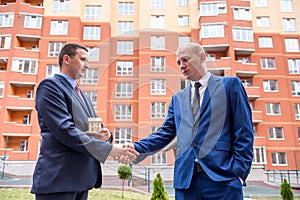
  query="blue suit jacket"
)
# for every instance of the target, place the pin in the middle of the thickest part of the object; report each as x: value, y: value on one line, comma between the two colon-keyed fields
x: 220, y: 137
x: 68, y: 159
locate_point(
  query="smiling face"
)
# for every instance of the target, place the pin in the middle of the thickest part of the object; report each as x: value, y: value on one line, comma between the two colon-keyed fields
x: 191, y: 61
x: 75, y: 66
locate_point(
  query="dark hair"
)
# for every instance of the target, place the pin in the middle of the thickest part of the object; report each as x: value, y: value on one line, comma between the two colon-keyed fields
x: 70, y: 50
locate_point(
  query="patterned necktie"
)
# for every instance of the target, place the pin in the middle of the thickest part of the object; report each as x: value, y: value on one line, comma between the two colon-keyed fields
x: 78, y: 90
x: 196, y: 99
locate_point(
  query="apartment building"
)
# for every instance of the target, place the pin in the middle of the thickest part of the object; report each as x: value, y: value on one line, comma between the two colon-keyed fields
x: 133, y: 71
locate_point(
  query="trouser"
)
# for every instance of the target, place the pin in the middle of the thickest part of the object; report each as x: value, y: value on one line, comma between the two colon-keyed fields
x: 203, y: 188
x: 83, y: 195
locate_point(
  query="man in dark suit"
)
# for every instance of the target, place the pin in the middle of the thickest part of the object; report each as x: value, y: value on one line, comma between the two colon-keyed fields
x: 69, y: 161
x: 215, y: 143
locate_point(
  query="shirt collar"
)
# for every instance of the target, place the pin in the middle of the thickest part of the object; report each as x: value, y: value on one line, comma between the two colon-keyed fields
x: 203, y: 80
x: 69, y: 79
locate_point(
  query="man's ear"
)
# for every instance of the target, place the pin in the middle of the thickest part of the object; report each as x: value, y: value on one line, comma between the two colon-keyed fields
x: 202, y: 57
x: 66, y: 59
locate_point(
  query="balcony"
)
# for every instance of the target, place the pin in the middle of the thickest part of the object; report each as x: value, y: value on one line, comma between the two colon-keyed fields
x: 245, y: 69
x: 257, y: 116
x: 218, y: 66
x: 253, y: 92
x: 14, y: 128
x: 16, y: 103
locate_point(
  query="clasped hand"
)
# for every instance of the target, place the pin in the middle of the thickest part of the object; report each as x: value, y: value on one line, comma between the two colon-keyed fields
x: 124, y: 153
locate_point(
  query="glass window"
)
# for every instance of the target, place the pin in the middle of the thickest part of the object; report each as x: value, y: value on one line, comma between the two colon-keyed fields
x: 90, y: 77
x: 122, y: 135
x: 270, y: 86
x: 26, y: 66
x: 157, y: 64
x: 158, y: 42
x: 33, y: 21
x: 263, y: 21
x: 242, y: 14
x: 123, y: 112
x: 297, y: 110
x: 242, y: 34
x: 157, y: 21
x: 158, y: 110
x: 276, y: 133
x: 259, y: 155
x: 273, y: 108
x: 207, y: 9
x: 6, y: 19
x: 54, y: 48
x: 159, y: 158
x: 212, y: 30
x: 124, y: 68
x: 289, y: 24
x: 61, y: 6
x: 126, y: 8
x: 124, y: 47
x: 51, y: 70
x: 125, y: 27
x: 91, y: 32
x: 295, y: 88
x: 94, y: 54
x: 265, y: 42
x: 183, y: 2
x: 267, y: 63
x: 124, y: 90
x: 261, y: 3
x: 182, y: 39
x: 158, y: 87
x: 286, y: 6
x: 23, y: 145
x: 294, y: 66
x: 183, y: 20
x: 2, y: 86
x: 279, y: 158
x: 93, y: 12
x: 93, y: 96
x: 291, y: 45
x: 59, y: 27
x: 157, y: 4
x: 5, y: 41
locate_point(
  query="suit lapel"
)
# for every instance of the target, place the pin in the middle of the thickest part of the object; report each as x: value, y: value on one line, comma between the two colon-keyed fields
x: 75, y: 96
x: 187, y: 101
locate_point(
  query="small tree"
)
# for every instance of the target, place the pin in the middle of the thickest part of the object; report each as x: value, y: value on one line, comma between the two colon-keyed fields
x: 124, y: 173
x: 286, y: 191
x: 159, y: 192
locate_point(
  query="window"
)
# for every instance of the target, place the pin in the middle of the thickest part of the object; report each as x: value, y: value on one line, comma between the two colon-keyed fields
x: 265, y: 42
x: 90, y: 77
x: 183, y: 2
x: 244, y: 59
x: 289, y: 24
x: 125, y: 47
x: 123, y: 112
x: 183, y: 40
x: 273, y: 109
x: 270, y: 86
x: 158, y: 87
x: 93, y: 12
x: 123, y: 90
x: 242, y: 34
x: 295, y: 88
x: 286, y: 6
x: 54, y: 48
x: 276, y: 133
x: 247, y: 83
x: 158, y: 110
x: 158, y: 43
x: 263, y: 21
x: 261, y: 3
x: 242, y: 14
x: 93, y: 96
x: 93, y: 54
x: 26, y: 119
x: 51, y: 70
x: 2, y: 86
x: 59, y: 27
x: 157, y: 4
x: 5, y: 41
x: 6, y: 20
x: 267, y: 63
x: 259, y: 155
x: 23, y: 145
x: 26, y: 66
x: 294, y: 66
x: 159, y: 158
x: 126, y: 8
x: 297, y: 111
x: 157, y: 64
x: 207, y: 9
x: 125, y: 27
x: 292, y: 45
x: 212, y: 30
x: 157, y: 21
x: 33, y: 21
x: 183, y: 20
x: 91, y: 32
x: 29, y: 94
x: 122, y: 135
x: 61, y: 6
x: 279, y: 158
x: 124, y: 68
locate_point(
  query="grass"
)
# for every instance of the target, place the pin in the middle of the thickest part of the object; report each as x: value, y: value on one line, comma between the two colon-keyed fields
x: 95, y: 194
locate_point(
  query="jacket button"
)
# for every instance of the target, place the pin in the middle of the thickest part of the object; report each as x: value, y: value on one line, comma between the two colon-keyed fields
x: 194, y: 144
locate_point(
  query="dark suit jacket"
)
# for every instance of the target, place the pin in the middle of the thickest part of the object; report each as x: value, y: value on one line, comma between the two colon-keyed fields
x: 68, y: 159
x: 220, y: 137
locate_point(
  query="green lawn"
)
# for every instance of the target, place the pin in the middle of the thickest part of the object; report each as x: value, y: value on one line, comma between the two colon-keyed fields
x: 95, y: 194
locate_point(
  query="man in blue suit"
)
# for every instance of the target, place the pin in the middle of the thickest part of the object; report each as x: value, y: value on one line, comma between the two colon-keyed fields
x: 69, y: 161
x: 215, y: 145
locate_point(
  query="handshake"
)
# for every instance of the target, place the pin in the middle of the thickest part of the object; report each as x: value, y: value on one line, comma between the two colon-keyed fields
x: 124, y: 153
